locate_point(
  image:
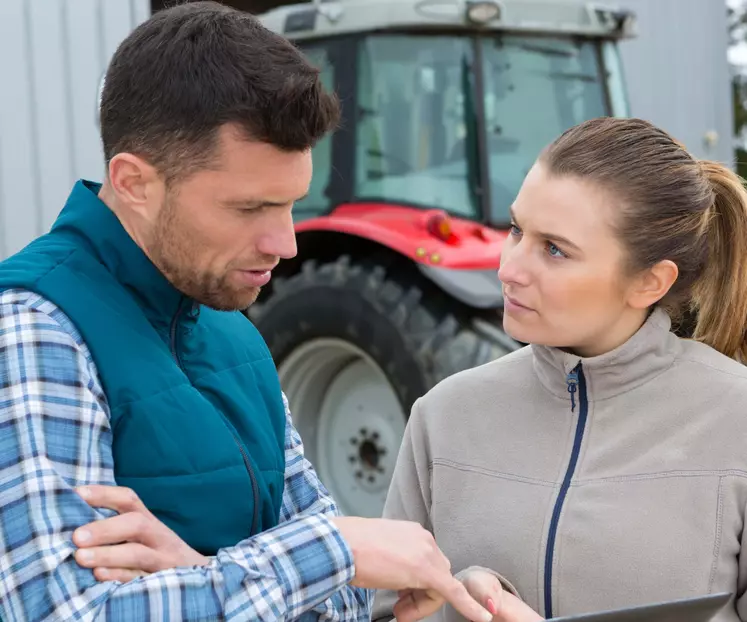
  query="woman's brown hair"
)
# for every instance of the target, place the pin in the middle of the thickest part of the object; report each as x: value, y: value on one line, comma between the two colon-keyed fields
x: 671, y: 206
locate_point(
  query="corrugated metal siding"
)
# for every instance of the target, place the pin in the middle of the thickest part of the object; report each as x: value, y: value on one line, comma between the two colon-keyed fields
x: 52, y: 56
x: 677, y: 72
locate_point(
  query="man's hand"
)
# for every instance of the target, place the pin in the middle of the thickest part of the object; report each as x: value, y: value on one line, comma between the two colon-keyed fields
x: 130, y: 545
x: 483, y: 586
x: 401, y: 555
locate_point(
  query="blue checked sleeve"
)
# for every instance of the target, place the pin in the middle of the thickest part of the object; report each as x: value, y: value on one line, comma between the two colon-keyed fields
x: 55, y: 435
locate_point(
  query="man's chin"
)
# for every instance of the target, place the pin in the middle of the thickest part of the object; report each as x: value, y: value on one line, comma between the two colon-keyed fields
x: 235, y: 301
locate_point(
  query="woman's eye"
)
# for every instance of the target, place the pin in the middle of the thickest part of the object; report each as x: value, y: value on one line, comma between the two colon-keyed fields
x: 515, y: 231
x: 554, y: 251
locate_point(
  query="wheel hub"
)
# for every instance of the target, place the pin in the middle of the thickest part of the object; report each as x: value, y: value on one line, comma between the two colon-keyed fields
x: 350, y: 420
x: 367, y: 458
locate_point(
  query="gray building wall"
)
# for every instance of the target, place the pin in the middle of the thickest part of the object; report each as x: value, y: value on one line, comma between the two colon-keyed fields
x: 677, y: 73
x: 53, y: 54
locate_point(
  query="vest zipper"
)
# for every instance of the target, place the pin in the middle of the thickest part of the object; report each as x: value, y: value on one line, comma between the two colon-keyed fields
x: 173, y: 331
x: 575, y: 378
x: 247, y: 464
x: 255, y: 487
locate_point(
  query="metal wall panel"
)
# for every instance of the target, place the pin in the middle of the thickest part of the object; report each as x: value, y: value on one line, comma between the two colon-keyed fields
x: 677, y: 72
x: 52, y: 56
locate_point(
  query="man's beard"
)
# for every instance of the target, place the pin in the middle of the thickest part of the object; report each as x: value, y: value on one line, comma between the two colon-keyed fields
x: 172, y: 251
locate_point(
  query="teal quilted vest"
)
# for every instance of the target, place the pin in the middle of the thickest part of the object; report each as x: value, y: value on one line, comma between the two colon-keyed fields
x: 196, y: 410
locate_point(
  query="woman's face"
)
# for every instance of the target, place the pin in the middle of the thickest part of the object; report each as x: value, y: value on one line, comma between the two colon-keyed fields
x: 562, y: 269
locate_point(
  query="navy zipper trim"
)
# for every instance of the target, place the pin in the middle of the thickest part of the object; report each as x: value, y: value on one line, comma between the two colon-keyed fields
x: 250, y: 470
x: 173, y: 331
x: 255, y: 487
x: 576, y: 377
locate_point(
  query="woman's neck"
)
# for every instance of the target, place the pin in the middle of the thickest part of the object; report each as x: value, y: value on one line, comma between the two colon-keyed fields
x: 613, y: 336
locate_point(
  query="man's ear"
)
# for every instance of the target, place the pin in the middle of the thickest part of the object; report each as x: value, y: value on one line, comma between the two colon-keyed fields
x: 137, y: 185
x: 652, y: 284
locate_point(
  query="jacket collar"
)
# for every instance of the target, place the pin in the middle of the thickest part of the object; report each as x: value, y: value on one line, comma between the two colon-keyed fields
x: 90, y: 221
x: 644, y: 356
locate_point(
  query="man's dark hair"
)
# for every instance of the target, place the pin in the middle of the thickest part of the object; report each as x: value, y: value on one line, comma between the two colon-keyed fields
x: 189, y: 70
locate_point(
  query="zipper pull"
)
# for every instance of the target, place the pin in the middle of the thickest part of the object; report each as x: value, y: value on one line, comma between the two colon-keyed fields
x: 572, y: 381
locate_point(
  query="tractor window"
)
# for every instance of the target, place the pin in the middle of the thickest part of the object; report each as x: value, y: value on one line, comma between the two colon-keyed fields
x: 415, y: 129
x: 316, y: 202
x: 535, y: 88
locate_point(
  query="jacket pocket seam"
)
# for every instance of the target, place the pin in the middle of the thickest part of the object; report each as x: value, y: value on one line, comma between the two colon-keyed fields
x: 719, y: 529
x: 490, y: 473
x: 661, y: 475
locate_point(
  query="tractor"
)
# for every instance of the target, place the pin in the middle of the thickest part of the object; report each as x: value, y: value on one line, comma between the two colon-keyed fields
x: 445, y: 106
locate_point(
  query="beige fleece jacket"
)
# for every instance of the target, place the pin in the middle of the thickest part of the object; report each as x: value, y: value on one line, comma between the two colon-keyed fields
x: 630, y: 490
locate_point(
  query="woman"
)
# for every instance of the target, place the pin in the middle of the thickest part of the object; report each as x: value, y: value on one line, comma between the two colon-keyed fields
x: 605, y: 465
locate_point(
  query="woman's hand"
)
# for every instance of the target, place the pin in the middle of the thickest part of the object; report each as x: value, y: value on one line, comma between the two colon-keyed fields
x: 487, y: 590
x: 516, y: 610
x: 482, y: 585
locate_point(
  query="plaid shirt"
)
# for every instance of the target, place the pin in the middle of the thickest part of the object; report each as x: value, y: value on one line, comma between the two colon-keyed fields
x: 55, y: 435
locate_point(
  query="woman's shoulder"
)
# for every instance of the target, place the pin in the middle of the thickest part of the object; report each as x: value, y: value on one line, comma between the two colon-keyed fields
x: 710, y: 363
x: 485, y: 381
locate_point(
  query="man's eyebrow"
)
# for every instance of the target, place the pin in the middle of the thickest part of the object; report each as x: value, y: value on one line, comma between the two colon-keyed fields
x: 255, y: 203
x: 554, y: 237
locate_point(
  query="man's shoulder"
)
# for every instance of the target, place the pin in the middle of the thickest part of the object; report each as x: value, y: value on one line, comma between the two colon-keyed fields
x: 32, y: 317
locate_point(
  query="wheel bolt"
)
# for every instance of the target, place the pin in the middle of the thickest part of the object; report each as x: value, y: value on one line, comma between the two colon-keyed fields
x: 352, y: 459
x: 353, y: 441
x: 364, y: 431
x: 359, y: 474
x: 375, y: 436
x: 371, y: 479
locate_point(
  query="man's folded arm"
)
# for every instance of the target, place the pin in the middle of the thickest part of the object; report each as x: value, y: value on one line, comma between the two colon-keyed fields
x: 55, y: 436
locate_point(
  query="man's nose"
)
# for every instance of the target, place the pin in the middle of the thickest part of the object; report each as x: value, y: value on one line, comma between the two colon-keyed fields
x: 279, y: 238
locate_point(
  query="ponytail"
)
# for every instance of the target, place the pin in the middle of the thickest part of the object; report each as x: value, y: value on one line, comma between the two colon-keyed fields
x: 719, y: 297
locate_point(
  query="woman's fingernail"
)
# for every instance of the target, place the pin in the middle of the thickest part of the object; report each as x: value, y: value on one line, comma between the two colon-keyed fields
x: 491, y: 606
x: 103, y: 572
x: 84, y: 492
x: 82, y: 535
x: 85, y: 556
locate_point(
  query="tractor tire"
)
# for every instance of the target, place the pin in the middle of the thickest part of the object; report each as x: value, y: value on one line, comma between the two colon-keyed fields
x: 355, y: 348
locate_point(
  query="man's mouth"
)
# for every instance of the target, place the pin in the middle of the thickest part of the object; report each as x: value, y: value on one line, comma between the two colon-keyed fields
x: 256, y: 278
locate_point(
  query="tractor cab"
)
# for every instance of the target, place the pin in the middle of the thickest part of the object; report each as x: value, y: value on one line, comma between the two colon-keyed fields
x: 447, y: 103
x: 445, y: 106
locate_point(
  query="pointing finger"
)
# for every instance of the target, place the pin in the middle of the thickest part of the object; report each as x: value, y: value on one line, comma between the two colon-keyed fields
x: 457, y: 595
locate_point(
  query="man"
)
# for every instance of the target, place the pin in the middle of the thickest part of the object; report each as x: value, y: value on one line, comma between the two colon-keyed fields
x: 149, y: 468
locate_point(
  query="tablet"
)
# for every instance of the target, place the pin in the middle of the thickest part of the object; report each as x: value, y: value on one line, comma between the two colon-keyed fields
x: 700, y: 609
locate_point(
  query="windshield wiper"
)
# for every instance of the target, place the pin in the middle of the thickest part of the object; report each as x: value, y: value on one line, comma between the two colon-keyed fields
x: 581, y: 77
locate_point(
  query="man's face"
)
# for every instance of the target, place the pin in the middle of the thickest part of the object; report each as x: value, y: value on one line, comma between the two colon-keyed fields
x: 219, y: 233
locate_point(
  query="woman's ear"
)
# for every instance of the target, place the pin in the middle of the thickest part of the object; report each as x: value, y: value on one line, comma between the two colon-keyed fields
x: 652, y: 284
